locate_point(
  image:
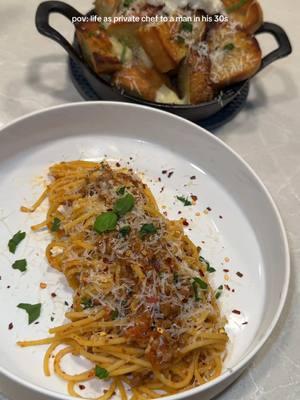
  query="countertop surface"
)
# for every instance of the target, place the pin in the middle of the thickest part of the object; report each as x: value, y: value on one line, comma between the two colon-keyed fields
x: 34, y: 75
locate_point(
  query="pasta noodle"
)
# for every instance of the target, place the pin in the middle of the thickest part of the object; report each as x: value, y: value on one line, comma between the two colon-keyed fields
x: 143, y: 311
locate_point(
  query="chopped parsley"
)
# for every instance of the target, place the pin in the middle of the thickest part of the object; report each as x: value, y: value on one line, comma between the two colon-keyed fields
x: 186, y: 26
x: 200, y: 283
x: 179, y: 39
x: 147, y: 229
x: 219, y: 292
x: 125, y: 230
x: 106, y: 222
x: 86, y: 303
x: 20, y: 265
x: 33, y: 311
x: 228, y: 47
x: 195, y: 288
x: 127, y: 3
x: 55, y: 224
x: 121, y: 191
x: 15, y: 240
x: 209, y: 269
x: 124, y: 205
x: 114, y: 314
x: 175, y: 277
x: 184, y: 200
x: 123, y: 54
x: 101, y: 373
x: 236, y: 6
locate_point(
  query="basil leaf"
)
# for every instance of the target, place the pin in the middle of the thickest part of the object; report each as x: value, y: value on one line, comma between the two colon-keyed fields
x: 55, y: 224
x: 33, y: 311
x: 228, y: 47
x: 201, y: 283
x: 101, y: 373
x: 186, y: 26
x: 15, y: 240
x: 236, y: 6
x: 147, y: 229
x: 106, y: 222
x: 121, y: 191
x: 20, y: 265
x: 184, y: 200
x: 125, y: 230
x: 124, y: 205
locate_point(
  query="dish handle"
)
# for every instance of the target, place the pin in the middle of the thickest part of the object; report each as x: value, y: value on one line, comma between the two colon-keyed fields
x: 284, y: 44
x: 42, y: 16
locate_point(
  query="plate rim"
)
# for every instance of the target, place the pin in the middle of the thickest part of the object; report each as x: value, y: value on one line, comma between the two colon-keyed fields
x: 242, y: 364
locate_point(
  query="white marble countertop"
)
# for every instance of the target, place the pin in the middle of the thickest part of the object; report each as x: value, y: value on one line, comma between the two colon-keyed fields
x: 34, y: 75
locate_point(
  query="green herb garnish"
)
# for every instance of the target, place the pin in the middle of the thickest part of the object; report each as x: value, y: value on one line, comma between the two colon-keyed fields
x: 228, y: 47
x: 106, y: 222
x: 184, y: 200
x: 208, y: 267
x: 20, y: 265
x: 186, y: 26
x: 124, y: 205
x: 55, y: 224
x: 123, y: 54
x: 114, y: 314
x: 101, y: 373
x: 15, y: 240
x: 125, y: 230
x: 147, y: 229
x: 87, y: 303
x: 179, y: 39
x: 175, y: 277
x: 236, y: 6
x: 195, y: 288
x: 201, y: 283
x: 127, y: 3
x: 33, y: 311
x: 219, y: 292
x: 121, y: 191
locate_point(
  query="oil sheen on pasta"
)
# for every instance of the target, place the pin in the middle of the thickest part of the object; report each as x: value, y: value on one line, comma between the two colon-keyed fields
x: 143, y: 311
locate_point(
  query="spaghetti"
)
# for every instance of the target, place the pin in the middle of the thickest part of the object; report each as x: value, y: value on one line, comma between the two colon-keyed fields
x: 143, y: 311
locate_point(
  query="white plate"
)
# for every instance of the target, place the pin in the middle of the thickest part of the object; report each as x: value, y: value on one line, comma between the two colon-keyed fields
x: 243, y: 231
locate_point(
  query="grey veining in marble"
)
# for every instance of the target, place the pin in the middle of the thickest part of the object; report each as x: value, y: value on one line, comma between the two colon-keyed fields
x: 33, y: 75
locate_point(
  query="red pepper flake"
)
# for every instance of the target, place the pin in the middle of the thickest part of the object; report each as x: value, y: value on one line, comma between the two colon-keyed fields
x: 227, y: 287
x: 226, y: 270
x: 170, y: 174
x: 118, y: 164
x: 201, y: 273
x: 164, y: 171
x: 236, y: 312
x: 193, y: 177
x: 81, y: 387
x: 53, y: 294
x: 208, y: 208
x: 194, y: 198
x: 184, y: 222
x: 10, y: 326
x: 245, y: 323
x: 239, y: 274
